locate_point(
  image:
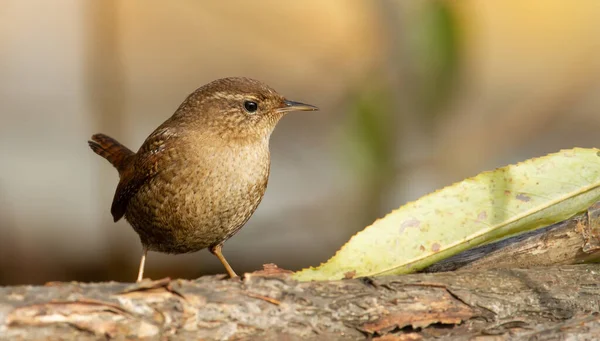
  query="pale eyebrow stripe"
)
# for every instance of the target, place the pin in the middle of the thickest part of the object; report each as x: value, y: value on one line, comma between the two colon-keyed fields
x: 229, y: 95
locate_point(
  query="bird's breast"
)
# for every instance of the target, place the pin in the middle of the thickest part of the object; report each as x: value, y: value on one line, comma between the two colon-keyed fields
x: 202, y: 198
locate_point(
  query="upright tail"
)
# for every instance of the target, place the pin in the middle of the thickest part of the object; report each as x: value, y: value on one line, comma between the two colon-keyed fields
x: 107, y: 147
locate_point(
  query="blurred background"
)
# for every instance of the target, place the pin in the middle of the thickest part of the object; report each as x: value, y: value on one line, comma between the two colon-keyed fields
x: 413, y: 96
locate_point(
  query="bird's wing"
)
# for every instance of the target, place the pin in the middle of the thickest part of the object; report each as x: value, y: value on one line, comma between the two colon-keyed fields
x: 148, y: 162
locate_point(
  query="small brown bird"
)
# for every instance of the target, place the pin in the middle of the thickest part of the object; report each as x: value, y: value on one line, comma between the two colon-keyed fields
x: 199, y: 176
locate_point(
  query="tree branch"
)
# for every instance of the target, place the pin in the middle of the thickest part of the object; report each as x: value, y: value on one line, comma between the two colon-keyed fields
x: 268, y: 305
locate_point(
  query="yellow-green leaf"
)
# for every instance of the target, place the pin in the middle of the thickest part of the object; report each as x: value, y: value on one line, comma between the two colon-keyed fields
x: 487, y: 207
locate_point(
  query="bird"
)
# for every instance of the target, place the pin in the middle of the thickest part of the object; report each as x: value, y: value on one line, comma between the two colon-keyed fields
x: 198, y: 178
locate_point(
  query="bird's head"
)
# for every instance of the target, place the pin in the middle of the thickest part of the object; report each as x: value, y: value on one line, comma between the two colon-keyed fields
x: 236, y: 108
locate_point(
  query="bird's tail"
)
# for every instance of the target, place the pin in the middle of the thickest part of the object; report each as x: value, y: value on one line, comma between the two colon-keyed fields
x: 107, y: 147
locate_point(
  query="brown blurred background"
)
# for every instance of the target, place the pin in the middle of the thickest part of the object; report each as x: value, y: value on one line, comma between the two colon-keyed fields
x: 413, y: 96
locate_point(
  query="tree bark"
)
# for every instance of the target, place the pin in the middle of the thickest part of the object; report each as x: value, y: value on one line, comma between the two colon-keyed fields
x: 267, y: 305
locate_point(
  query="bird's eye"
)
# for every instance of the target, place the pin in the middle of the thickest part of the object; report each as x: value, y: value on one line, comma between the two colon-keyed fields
x: 250, y: 106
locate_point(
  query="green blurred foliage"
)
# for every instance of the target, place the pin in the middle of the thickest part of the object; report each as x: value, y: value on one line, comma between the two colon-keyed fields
x: 379, y: 106
x: 434, y: 45
x: 369, y: 139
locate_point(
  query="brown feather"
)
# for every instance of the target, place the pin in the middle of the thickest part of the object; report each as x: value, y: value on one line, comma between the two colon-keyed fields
x: 110, y: 149
x: 146, y: 164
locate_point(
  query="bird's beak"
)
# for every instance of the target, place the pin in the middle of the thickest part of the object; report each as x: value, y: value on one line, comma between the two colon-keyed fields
x: 296, y: 106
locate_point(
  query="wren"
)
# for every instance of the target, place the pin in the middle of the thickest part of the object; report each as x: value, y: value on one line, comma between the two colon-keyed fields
x: 198, y: 178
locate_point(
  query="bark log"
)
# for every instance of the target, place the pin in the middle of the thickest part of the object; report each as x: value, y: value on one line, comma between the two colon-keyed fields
x: 267, y: 305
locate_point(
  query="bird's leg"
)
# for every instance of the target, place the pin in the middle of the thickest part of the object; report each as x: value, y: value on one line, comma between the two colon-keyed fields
x: 216, y: 250
x: 142, y: 264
